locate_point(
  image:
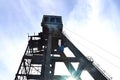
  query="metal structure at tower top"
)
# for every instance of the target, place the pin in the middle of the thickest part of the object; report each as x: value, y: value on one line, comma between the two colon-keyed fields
x: 47, y: 48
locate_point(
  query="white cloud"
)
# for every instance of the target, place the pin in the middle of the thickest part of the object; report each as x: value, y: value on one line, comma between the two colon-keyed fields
x: 92, y: 23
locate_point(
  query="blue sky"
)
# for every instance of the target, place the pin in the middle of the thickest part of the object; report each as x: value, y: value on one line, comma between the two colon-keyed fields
x: 95, y: 20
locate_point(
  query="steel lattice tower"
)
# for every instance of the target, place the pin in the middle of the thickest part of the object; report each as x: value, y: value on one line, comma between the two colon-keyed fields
x: 47, y: 48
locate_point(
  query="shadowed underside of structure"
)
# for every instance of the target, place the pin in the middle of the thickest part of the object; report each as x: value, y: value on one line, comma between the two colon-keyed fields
x: 47, y: 48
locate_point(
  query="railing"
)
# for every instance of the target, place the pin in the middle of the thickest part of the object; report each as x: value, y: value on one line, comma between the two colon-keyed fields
x: 99, y: 68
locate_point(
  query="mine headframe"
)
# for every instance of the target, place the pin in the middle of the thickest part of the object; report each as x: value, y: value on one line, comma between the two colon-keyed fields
x: 47, y: 48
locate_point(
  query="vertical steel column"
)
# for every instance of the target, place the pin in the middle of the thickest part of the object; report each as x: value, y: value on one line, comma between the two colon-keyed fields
x: 52, y: 69
x: 47, y: 74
